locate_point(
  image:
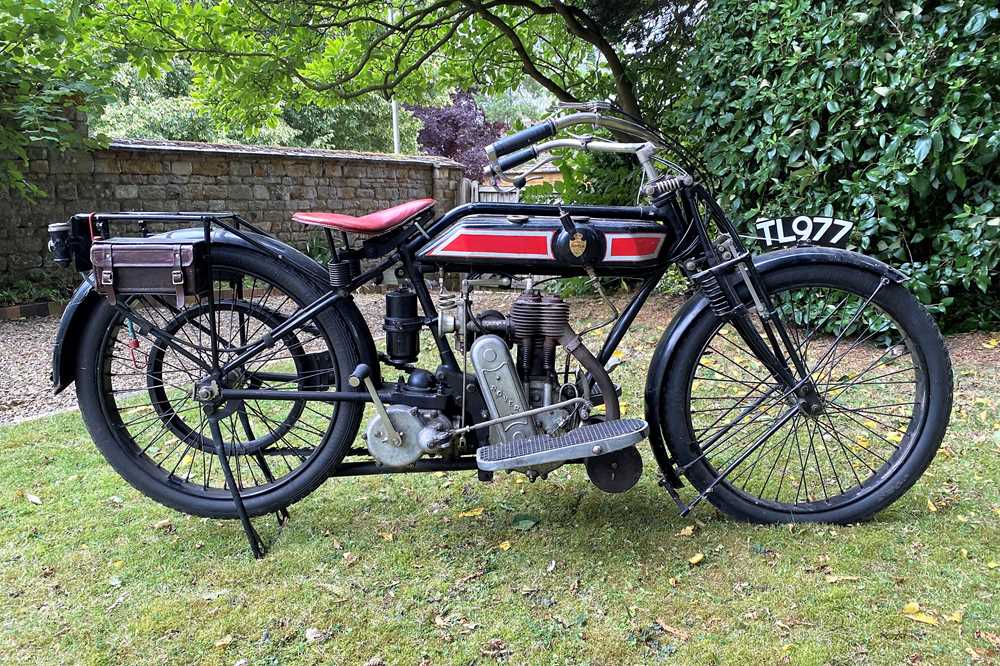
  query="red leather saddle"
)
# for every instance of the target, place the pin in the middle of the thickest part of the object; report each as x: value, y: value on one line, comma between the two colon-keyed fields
x: 371, y: 224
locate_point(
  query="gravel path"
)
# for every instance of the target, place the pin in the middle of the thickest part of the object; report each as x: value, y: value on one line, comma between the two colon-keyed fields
x: 25, y: 364
x: 26, y: 359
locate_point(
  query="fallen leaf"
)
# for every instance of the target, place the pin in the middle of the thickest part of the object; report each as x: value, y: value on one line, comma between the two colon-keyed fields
x: 839, y: 579
x: 117, y: 564
x: 225, y: 641
x: 957, y: 616
x: 118, y: 602
x: 992, y: 343
x: 922, y: 617
x: 164, y: 524
x: 495, y: 648
x: 471, y: 576
x: 672, y: 581
x: 505, y: 545
x: 34, y: 499
x: 911, y: 607
x: 386, y: 536
x: 673, y: 631
x: 314, y: 635
x: 471, y: 513
x: 335, y: 590
x: 930, y: 506
x: 696, y: 558
x: 524, y: 522
x: 686, y: 531
x: 439, y: 474
x: 992, y: 564
x: 214, y: 594
x: 350, y: 558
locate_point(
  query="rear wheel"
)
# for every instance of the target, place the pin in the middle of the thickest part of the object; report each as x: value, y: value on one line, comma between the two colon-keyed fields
x: 136, y: 394
x: 884, y: 381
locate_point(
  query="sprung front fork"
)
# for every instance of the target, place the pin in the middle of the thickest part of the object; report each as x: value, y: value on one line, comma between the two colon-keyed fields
x: 774, y: 348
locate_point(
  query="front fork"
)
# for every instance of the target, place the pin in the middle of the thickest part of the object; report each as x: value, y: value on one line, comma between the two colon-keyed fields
x: 775, y: 348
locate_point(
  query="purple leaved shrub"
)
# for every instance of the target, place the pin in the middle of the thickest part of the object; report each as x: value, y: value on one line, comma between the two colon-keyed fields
x: 459, y: 131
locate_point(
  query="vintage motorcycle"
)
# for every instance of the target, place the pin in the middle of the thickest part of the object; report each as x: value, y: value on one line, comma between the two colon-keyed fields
x: 225, y: 374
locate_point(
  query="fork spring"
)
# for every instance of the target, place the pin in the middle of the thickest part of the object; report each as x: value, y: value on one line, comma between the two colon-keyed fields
x: 708, y: 284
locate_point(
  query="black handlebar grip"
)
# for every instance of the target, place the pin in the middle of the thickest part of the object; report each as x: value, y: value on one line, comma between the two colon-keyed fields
x: 525, y: 137
x: 520, y: 157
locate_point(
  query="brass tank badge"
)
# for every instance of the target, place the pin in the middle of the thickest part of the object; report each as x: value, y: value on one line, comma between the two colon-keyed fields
x: 578, y: 244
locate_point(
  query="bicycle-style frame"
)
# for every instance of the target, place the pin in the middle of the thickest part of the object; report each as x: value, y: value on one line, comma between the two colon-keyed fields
x: 717, y: 266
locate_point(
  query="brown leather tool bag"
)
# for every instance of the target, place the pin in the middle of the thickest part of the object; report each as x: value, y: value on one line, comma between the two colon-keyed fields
x: 150, y: 266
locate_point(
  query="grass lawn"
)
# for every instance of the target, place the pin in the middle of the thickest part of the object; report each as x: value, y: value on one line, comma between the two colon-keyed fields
x: 431, y: 569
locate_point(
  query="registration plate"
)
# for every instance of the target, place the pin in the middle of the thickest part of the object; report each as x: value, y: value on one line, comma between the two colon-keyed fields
x: 812, y: 229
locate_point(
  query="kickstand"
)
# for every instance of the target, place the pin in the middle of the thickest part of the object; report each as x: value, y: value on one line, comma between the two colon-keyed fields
x: 256, y: 543
x: 682, y: 506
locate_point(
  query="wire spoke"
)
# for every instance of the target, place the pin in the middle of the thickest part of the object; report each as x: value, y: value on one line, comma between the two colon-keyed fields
x: 867, y: 389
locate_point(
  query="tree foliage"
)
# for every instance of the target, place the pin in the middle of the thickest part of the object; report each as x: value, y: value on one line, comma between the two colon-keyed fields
x: 459, y: 131
x: 363, y: 124
x: 163, y: 107
x: 49, y: 70
x: 517, y: 107
x: 255, y: 53
x: 887, y: 113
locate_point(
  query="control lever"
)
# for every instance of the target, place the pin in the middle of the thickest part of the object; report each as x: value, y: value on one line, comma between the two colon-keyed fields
x: 362, y: 374
x: 613, y: 363
x: 567, y: 221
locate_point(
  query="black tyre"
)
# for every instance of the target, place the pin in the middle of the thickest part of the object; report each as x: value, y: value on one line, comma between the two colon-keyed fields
x: 880, y: 368
x: 136, y: 394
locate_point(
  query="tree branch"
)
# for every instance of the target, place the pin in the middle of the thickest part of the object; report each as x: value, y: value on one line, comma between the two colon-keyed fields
x: 526, y: 62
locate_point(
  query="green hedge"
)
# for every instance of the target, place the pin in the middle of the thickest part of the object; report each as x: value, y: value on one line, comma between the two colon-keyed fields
x: 886, y: 113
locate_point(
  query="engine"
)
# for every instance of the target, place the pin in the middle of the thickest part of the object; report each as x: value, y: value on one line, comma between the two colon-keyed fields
x: 538, y: 322
x: 529, y: 378
x: 514, y: 358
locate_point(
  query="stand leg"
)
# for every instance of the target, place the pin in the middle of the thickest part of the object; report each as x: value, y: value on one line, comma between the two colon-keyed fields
x: 256, y: 543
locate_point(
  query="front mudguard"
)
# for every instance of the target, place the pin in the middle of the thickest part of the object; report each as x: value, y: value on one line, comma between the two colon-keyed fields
x: 664, y: 355
x: 85, y: 301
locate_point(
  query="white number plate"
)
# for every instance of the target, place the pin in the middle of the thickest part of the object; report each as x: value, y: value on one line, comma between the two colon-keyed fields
x: 814, y: 229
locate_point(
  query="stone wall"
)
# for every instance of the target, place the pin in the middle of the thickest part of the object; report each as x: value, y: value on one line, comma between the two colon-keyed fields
x: 265, y: 185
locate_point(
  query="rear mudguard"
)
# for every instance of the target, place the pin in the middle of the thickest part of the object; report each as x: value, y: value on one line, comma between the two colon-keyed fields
x: 85, y: 300
x: 663, y: 356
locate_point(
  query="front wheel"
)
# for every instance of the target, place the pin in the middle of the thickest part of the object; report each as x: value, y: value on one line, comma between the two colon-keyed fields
x: 883, y: 377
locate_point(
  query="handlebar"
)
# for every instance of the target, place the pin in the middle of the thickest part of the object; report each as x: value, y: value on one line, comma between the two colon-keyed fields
x: 517, y: 149
x: 525, y: 137
x: 508, y: 162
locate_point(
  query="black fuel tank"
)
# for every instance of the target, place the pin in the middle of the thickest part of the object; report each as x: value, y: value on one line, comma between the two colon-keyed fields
x: 540, y: 244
